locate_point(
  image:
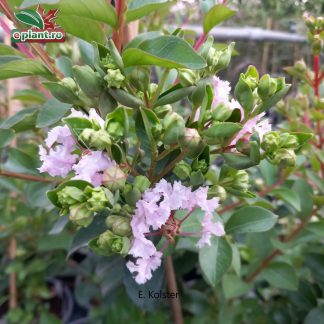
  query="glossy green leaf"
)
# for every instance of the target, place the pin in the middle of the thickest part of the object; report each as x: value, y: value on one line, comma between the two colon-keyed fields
x: 6, y: 136
x: 51, y: 112
x: 289, y: 196
x: 77, y: 124
x: 166, y: 51
x: 234, y: 286
x: 22, y: 68
x: 250, y: 219
x: 141, y: 8
x: 305, y: 193
x: 221, y: 131
x: 281, y: 275
x: 215, y: 16
x: 215, y: 260
x: 22, y: 121
x: 243, y: 94
x: 238, y: 161
x: 29, y: 96
x: 62, y: 93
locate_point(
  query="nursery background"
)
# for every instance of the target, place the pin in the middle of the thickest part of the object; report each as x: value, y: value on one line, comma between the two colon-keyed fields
x: 151, y: 115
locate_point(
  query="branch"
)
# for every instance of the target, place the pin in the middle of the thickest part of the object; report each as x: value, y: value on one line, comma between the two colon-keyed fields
x: 172, y: 288
x: 27, y: 177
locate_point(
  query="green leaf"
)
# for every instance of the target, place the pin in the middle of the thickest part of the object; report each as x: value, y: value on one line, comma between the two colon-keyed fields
x: 244, y: 95
x: 238, y: 161
x: 77, y: 125
x: 305, y: 193
x: 23, y: 120
x: 22, y: 68
x: 8, y: 58
x: 30, y: 17
x: 141, y: 8
x: 316, y: 227
x: 9, y: 50
x: 170, y: 97
x: 288, y: 196
x: 30, y: 3
x: 215, y: 16
x: 61, y: 241
x: 6, y: 136
x: 281, y: 275
x: 250, y: 219
x: 166, y: 51
x: 316, y: 315
x: 220, y: 131
x: 36, y: 194
x: 62, y: 93
x: 135, y: 42
x: 233, y: 286
x: 29, y: 96
x: 51, y: 112
x: 215, y: 260
x: 18, y: 161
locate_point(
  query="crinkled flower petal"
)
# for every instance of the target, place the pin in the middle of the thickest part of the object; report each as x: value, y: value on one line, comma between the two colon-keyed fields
x: 61, y: 135
x: 91, y: 166
x: 143, y: 248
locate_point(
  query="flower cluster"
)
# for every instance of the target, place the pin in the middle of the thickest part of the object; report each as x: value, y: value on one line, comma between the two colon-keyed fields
x: 155, y: 211
x: 59, y: 157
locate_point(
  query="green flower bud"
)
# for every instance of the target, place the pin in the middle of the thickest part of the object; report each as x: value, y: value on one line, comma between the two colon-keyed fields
x: 119, y: 225
x: 241, y: 181
x: 199, y: 165
x: 88, y: 80
x: 108, y: 62
x: 300, y: 66
x: 69, y: 196
x: 174, y: 127
x: 114, y: 78
x: 192, y: 142
x: 157, y: 131
x: 80, y: 214
x: 140, y: 78
x: 162, y: 111
x: 182, y: 170
x: 99, y: 139
x: 284, y: 157
x: 243, y: 146
x: 115, y: 129
x: 270, y: 142
x: 141, y: 183
x: 217, y: 191
x: 317, y: 44
x: 70, y: 84
x: 288, y: 141
x: 112, y: 243
x: 152, y: 89
x: 98, y: 198
x: 221, y: 112
x: 188, y: 77
x: 131, y: 194
x: 114, y: 178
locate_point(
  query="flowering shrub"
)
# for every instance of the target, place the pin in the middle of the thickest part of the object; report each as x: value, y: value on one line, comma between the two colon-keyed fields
x: 151, y: 152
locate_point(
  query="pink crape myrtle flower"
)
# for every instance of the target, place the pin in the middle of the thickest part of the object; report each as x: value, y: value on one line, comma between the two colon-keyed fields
x: 91, y: 166
x: 58, y: 157
x: 253, y: 125
x: 155, y: 211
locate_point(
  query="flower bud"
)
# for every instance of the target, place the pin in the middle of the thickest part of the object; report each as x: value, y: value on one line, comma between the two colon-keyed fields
x: 69, y: 196
x: 188, y: 77
x: 115, y: 129
x: 162, y: 111
x: 99, y: 139
x: 152, y: 89
x: 114, y: 178
x: 98, y: 199
x: 131, y: 194
x: 70, y: 84
x: 119, y: 225
x: 182, y: 170
x: 80, y: 214
x: 174, y: 127
x: 241, y: 181
x: 114, y: 78
x: 200, y: 165
x: 285, y: 158
x: 288, y: 141
x: 317, y: 45
x: 88, y: 80
x: 108, y: 62
x: 192, y: 142
x: 140, y: 78
x: 270, y: 142
x: 300, y: 66
x: 157, y: 131
x: 221, y: 112
x: 111, y: 243
x: 141, y: 183
x: 217, y: 191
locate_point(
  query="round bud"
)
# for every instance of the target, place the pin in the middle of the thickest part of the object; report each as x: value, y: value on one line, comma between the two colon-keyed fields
x: 217, y: 191
x: 80, y: 214
x: 270, y: 142
x: 114, y: 178
x: 119, y: 225
x: 114, y: 78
